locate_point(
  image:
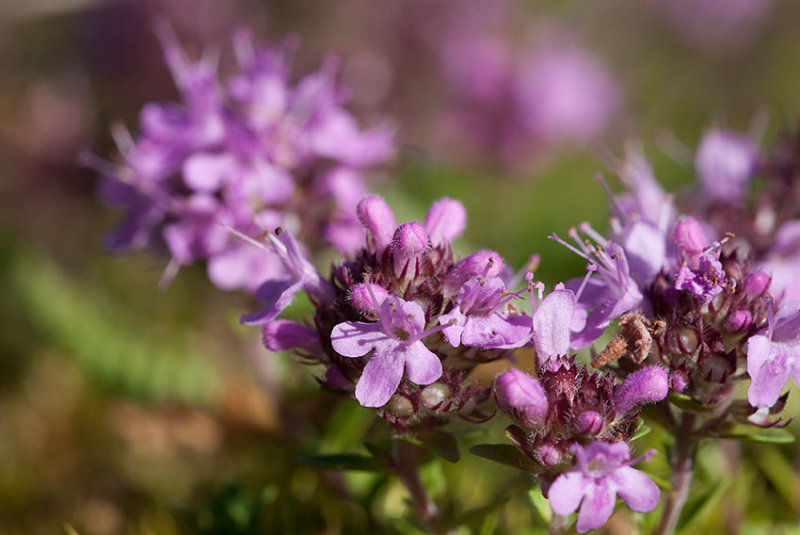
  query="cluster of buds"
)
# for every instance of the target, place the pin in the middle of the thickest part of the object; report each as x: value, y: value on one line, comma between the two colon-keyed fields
x: 250, y: 153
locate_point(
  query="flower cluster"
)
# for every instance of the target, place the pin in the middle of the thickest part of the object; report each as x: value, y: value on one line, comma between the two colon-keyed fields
x: 251, y: 152
x: 512, y: 96
x: 400, y: 322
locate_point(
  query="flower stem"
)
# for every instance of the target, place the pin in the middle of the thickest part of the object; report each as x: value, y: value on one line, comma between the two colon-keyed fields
x: 681, y: 474
x: 407, y: 459
x: 558, y: 525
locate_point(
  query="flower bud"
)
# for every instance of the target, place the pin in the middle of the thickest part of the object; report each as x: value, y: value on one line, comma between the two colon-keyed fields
x: 378, y: 218
x: 445, y: 221
x: 523, y: 395
x: 483, y: 261
x: 400, y: 406
x: 678, y: 382
x: 738, y: 321
x: 643, y: 386
x: 549, y: 455
x: 361, y: 297
x: 756, y: 284
x: 590, y: 423
x: 434, y: 395
x: 409, y: 243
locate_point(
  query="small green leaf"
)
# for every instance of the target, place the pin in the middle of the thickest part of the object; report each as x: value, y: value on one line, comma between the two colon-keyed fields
x: 642, y: 431
x: 750, y: 433
x: 505, y: 454
x: 341, y: 461
x: 442, y: 444
x: 697, y: 511
x: 686, y: 403
x: 541, y: 504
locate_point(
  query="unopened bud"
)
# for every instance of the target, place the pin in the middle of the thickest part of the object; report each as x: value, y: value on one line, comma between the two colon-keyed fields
x: 434, y: 395
x: 362, y: 295
x: 678, y: 382
x: 445, y: 221
x: 644, y: 386
x: 688, y: 341
x: 409, y: 243
x: 549, y: 455
x: 400, y: 406
x: 738, y: 321
x: 756, y: 284
x: 523, y: 395
x: 590, y: 423
x: 482, y: 262
x: 377, y: 217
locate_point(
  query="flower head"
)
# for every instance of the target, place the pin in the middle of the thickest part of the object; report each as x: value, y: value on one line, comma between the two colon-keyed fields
x: 250, y: 152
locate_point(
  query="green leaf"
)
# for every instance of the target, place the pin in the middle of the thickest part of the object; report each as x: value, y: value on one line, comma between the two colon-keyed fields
x: 686, y: 403
x: 541, y: 504
x: 442, y: 444
x: 751, y: 433
x: 642, y: 431
x: 780, y: 473
x: 342, y: 461
x: 505, y: 454
x: 696, y: 512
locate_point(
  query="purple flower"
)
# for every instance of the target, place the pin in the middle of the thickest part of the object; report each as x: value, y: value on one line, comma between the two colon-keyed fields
x: 609, y: 294
x: 705, y: 282
x: 564, y: 94
x: 278, y: 293
x: 396, y: 345
x: 480, y: 317
x: 725, y: 162
x: 602, y: 471
x: 773, y: 355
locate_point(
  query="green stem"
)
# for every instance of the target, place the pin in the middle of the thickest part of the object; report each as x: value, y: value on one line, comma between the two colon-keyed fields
x: 682, y: 473
x: 407, y: 459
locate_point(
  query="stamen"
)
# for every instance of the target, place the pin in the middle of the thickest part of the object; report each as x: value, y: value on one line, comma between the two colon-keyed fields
x: 169, y: 274
x: 586, y: 228
x: 245, y: 237
x: 489, y: 265
x: 675, y: 149
x: 122, y: 138
x: 590, y: 269
x: 555, y: 238
x: 431, y: 331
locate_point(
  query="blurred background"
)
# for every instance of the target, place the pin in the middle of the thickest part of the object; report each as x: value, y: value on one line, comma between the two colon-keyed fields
x: 129, y: 410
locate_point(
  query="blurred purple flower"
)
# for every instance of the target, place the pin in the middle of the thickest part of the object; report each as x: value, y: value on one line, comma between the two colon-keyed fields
x: 250, y: 153
x: 725, y: 162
